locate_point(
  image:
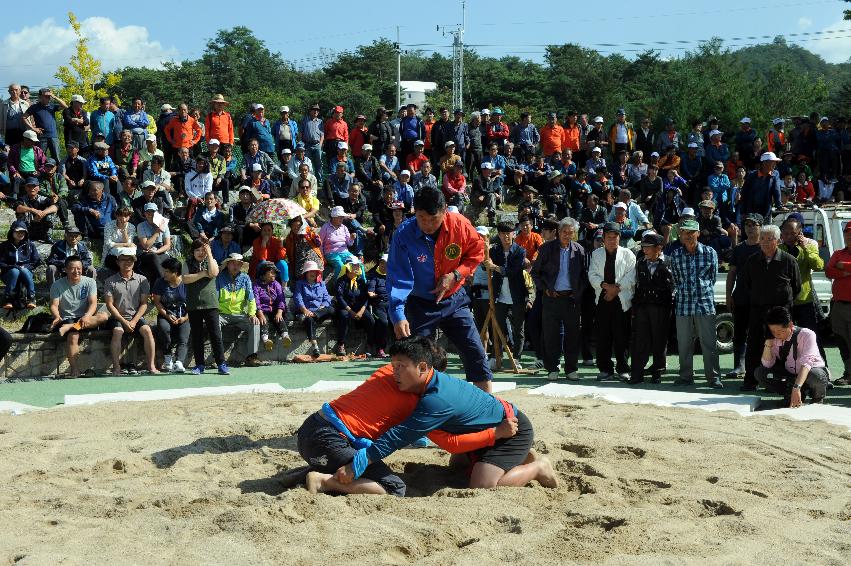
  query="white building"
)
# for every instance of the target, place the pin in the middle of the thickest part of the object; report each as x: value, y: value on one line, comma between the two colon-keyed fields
x: 415, y: 91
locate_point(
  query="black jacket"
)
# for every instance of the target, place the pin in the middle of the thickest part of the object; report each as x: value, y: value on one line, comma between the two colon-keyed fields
x: 511, y: 268
x: 546, y: 266
x: 773, y: 283
x: 656, y: 289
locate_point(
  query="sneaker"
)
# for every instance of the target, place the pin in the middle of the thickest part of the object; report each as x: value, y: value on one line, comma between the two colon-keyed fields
x: 844, y: 380
x: 314, y: 352
x: 254, y: 362
x: 656, y: 379
x: 267, y: 343
x: 381, y: 353
x: 340, y: 350
x: 552, y: 376
x: 716, y: 384
x: 573, y: 376
x: 624, y: 376
x: 167, y: 365
x: 286, y: 341
x: 539, y: 364
x: 492, y: 363
x: 224, y: 369
x: 735, y: 373
x: 178, y: 367
x: 197, y: 370
x: 604, y: 375
x: 31, y: 305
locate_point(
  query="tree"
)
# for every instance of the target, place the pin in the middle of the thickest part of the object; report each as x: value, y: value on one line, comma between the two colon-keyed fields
x: 83, y: 75
x: 848, y: 12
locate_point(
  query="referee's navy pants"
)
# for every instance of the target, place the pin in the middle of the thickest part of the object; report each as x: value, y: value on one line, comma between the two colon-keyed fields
x: 453, y: 316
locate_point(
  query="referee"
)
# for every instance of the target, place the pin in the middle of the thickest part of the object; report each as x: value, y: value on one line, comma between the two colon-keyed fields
x: 430, y: 256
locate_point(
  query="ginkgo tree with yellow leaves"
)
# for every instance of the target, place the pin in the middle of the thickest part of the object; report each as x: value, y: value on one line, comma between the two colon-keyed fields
x: 84, y: 74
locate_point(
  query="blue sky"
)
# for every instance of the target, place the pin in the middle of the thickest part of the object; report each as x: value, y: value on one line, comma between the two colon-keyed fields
x: 38, y: 39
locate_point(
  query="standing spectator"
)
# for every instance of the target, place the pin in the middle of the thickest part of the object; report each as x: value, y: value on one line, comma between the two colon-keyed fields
x: 621, y: 134
x: 136, y: 122
x: 238, y: 310
x: 670, y: 137
x: 560, y: 276
x: 41, y: 118
x: 126, y: 296
x: 75, y: 123
x: 430, y: 256
x: 153, y: 242
x: 62, y: 250
x: 94, y: 210
x: 260, y: 128
x: 284, y: 131
x: 271, y: 305
x: 169, y: 298
x: 219, y: 124
x: 738, y: 296
x: 745, y: 136
x: 202, y: 305
x: 508, y: 262
x: 182, y: 131
x: 645, y: 137
x: 410, y: 130
x: 312, y: 302
x: 336, y: 131
x: 379, y: 301
x: 651, y: 309
x: 313, y: 135
x: 353, y: 306
x: 12, y: 112
x: 761, y: 188
x: 475, y: 151
x: 839, y: 271
x: 438, y: 137
x: 791, y: 363
x: 18, y: 259
x: 525, y: 136
x: 694, y: 267
x: 497, y: 130
x: 165, y: 117
x: 380, y: 132
x: 773, y: 279
x: 358, y: 136
x: 102, y: 122
x: 552, y: 136
x: 612, y: 276
x: 73, y: 304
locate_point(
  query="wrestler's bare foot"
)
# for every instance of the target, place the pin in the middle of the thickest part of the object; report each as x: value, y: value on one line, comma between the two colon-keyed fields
x: 546, y: 475
x: 64, y: 329
x: 313, y: 482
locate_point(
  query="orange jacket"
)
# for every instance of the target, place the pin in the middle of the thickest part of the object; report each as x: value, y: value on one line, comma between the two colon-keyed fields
x: 219, y: 127
x: 776, y: 141
x: 530, y: 243
x: 273, y: 252
x: 571, y: 138
x: 552, y: 139
x: 377, y: 405
x: 182, y: 134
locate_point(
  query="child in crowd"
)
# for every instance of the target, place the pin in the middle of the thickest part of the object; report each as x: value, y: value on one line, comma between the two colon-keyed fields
x: 271, y: 306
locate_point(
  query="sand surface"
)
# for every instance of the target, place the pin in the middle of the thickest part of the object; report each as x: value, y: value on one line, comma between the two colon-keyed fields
x: 195, y: 481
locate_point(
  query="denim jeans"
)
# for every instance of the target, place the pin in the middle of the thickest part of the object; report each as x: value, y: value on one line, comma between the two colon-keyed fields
x: 22, y: 276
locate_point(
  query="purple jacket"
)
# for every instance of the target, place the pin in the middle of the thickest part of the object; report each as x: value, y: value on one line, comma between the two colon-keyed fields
x: 15, y: 159
x: 269, y: 297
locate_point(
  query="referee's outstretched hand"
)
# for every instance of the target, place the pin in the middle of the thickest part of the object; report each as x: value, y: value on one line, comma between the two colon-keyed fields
x: 402, y: 329
x: 444, y: 284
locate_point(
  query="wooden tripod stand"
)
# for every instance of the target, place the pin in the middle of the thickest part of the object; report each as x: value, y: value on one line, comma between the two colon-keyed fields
x: 491, y: 326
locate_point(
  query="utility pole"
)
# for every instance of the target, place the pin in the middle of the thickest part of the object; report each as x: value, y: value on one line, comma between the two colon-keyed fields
x: 398, y: 73
x: 457, y: 33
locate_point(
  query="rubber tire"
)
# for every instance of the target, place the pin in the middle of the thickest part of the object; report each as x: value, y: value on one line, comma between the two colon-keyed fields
x: 724, y: 332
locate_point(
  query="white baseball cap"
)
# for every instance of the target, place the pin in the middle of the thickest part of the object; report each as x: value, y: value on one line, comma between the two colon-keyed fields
x: 78, y: 98
x: 256, y: 167
x: 214, y: 141
x: 337, y: 211
x: 285, y: 109
x: 151, y: 137
x: 620, y: 205
x: 687, y: 211
x: 598, y: 120
x: 693, y: 145
x: 366, y: 147
x: 486, y: 112
x: 715, y: 133
x: 483, y: 230
x: 384, y: 257
x: 342, y: 145
x: 745, y: 120
x: 487, y: 165
x: 778, y: 121
x: 769, y: 156
x: 405, y: 172
x: 596, y: 150
x: 259, y: 106
x: 166, y: 107
x: 654, y: 154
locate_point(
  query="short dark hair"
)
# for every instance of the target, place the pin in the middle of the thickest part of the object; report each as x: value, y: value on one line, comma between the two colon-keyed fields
x: 524, y: 217
x: 198, y: 244
x: 779, y: 316
x: 71, y: 259
x: 420, y: 349
x: 430, y: 200
x: 173, y: 265
x: 505, y: 226
x: 550, y: 224
x: 158, y: 159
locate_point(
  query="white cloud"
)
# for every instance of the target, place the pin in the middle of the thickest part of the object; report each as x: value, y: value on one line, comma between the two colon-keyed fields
x: 834, y: 44
x: 32, y: 54
x: 804, y: 22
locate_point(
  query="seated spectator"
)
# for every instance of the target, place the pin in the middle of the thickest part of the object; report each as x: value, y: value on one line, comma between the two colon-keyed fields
x: 627, y: 228
x: 151, y: 193
x: 355, y: 208
x: 94, y: 210
x: 169, y: 298
x: 18, y: 258
x: 126, y: 296
x: 202, y: 305
x: 336, y: 239
x: 72, y: 245
x: 312, y: 302
x: 129, y: 192
x: 305, y: 173
x: 592, y: 218
x: 454, y: 185
x: 73, y: 304
x: 183, y: 165
x: 261, y: 185
x: 353, y: 306
x: 390, y: 166
x: 337, y: 185
x: 805, y: 193
x: 711, y: 232
x: 530, y: 206
x: 486, y: 193
x: 208, y: 220
x: 268, y: 247
x: 379, y: 301
x: 308, y: 202
x: 153, y: 244
x: 126, y: 156
x: 102, y: 169
x: 424, y: 178
x: 238, y: 310
x: 118, y: 234
x: 669, y: 207
x: 302, y: 244
x: 26, y: 159
x: 52, y: 185
x: 791, y: 363
x: 157, y: 175
x: 36, y: 211
x: 245, y: 231
x: 271, y: 306
x: 225, y: 244
x: 404, y: 191
x: 196, y: 184
x: 415, y: 161
x: 76, y: 167
x: 147, y: 153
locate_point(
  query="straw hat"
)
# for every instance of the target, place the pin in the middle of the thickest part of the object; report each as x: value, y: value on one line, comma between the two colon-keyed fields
x: 219, y: 98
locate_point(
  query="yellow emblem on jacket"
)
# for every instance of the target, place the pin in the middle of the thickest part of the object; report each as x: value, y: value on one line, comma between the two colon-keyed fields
x: 452, y: 251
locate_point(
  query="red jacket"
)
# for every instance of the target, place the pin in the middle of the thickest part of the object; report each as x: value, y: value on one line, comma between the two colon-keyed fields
x: 182, y: 134
x: 458, y: 235
x: 273, y: 252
